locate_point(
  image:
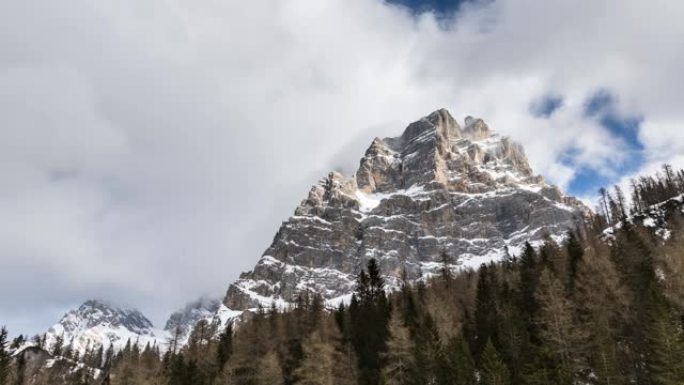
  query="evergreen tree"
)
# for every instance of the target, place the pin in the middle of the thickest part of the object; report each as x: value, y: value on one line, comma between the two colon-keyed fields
x: 529, y: 280
x: 428, y: 355
x: 318, y: 362
x: 98, y: 356
x: 666, y: 346
x: 369, y: 314
x: 270, y: 371
x: 109, y: 357
x: 602, y: 307
x: 17, y: 342
x: 512, y: 333
x: 20, y: 372
x: 459, y: 363
x: 4, y: 357
x: 225, y: 346
x: 485, y: 321
x: 493, y: 370
x: 58, y: 345
x: 399, y: 356
x: 558, y: 331
x: 575, y: 254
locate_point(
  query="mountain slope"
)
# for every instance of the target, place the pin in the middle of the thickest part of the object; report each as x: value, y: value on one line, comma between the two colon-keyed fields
x: 437, y: 189
x: 96, y: 323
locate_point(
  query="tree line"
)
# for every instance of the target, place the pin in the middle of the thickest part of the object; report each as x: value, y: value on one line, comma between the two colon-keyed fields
x: 579, y: 311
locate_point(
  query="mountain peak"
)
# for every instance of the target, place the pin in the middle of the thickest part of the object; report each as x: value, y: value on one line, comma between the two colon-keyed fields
x: 475, y: 129
x: 437, y: 188
x: 100, y: 323
x: 434, y: 150
x: 438, y: 123
x: 97, y: 312
x: 184, y: 319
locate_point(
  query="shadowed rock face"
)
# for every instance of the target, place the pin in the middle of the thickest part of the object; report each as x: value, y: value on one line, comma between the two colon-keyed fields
x: 438, y: 188
x: 182, y: 321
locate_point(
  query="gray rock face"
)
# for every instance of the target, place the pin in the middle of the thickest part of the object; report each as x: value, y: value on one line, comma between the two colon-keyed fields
x: 96, y: 323
x: 183, y: 320
x: 93, y: 313
x: 438, y: 188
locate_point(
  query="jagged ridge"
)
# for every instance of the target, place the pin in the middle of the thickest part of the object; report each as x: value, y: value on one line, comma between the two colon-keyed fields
x: 96, y: 323
x: 437, y: 188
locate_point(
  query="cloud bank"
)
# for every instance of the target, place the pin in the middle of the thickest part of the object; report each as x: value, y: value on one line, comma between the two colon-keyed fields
x: 149, y: 149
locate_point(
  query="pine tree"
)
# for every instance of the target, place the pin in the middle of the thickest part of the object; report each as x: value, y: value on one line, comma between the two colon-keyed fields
x: 666, y: 346
x: 602, y: 306
x: 512, y: 332
x: 318, y: 362
x: 108, y: 357
x: 485, y: 320
x: 57, y: 345
x: 428, y: 355
x: 493, y: 370
x: 225, y: 346
x: 558, y: 330
x: 399, y: 356
x: 17, y: 342
x: 20, y: 371
x: 97, y: 357
x: 369, y: 317
x: 4, y: 357
x: 529, y: 280
x: 270, y: 372
x: 575, y: 254
x: 459, y: 363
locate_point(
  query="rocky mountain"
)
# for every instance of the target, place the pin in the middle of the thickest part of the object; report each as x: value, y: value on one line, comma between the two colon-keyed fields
x: 439, y: 189
x: 96, y: 323
x: 183, y: 319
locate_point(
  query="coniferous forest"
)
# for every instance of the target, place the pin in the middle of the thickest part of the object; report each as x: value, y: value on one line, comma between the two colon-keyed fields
x: 597, y: 308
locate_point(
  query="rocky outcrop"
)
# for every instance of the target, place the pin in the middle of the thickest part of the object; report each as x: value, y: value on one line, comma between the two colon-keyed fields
x: 438, y: 188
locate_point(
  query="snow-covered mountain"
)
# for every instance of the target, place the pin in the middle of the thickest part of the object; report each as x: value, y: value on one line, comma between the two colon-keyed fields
x: 438, y: 188
x: 96, y: 323
x: 183, y: 320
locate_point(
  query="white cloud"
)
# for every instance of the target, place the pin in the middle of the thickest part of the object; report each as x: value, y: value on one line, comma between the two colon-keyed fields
x: 150, y: 148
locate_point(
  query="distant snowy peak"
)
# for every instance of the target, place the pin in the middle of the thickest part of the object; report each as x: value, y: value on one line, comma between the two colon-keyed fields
x: 94, y: 313
x: 438, y: 188
x: 96, y: 323
x: 194, y: 311
x: 182, y: 322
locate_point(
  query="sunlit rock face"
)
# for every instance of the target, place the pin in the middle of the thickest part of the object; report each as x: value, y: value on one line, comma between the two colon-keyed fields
x: 438, y: 188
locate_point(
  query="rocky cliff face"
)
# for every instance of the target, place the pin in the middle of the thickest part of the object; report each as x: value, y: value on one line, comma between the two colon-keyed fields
x: 184, y: 319
x: 438, y: 188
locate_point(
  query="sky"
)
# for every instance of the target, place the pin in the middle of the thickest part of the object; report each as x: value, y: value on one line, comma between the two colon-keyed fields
x: 150, y: 149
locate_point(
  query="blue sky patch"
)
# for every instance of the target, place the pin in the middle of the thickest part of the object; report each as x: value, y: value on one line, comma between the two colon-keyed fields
x: 438, y: 6
x: 601, y: 107
x: 546, y: 106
